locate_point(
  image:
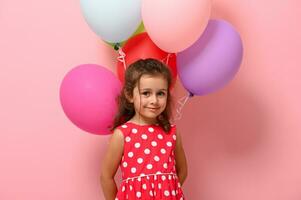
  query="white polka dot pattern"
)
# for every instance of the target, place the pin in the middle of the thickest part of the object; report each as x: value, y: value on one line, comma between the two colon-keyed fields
x: 174, y: 137
x: 137, y: 145
x: 163, y: 151
x: 139, y: 160
x: 169, y: 144
x: 133, y: 170
x: 156, y: 158
x: 150, y: 129
x: 127, y: 139
x: 130, y: 154
x: 138, y: 194
x: 154, y: 143
x: 148, y: 155
x: 147, y: 151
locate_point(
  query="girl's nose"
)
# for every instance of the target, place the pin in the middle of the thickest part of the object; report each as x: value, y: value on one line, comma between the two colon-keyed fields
x: 154, y: 99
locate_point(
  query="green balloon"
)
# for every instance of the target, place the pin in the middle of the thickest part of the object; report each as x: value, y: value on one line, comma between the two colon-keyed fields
x: 116, y: 46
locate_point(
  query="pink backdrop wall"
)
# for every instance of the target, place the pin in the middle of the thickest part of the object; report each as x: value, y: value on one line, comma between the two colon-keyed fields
x: 242, y: 142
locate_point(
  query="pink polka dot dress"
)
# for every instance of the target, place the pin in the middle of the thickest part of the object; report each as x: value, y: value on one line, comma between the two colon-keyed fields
x: 148, y: 163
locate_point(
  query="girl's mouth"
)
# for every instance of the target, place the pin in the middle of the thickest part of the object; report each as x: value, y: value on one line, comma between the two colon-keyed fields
x: 153, y: 109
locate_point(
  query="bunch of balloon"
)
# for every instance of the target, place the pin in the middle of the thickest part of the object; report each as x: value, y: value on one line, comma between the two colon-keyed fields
x: 211, y: 62
x: 174, y: 25
x: 113, y: 21
x: 209, y: 52
x: 142, y: 47
x: 88, y: 92
x: 87, y: 96
x: 206, y: 54
x: 119, y: 23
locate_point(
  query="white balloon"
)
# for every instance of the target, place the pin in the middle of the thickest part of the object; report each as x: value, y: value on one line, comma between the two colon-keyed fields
x: 112, y: 20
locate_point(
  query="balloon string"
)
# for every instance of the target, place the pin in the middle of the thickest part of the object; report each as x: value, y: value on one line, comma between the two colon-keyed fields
x: 181, y: 102
x: 166, y: 59
x: 121, y: 57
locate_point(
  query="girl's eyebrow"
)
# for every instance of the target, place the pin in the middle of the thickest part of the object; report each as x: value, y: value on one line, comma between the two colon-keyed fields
x: 163, y: 89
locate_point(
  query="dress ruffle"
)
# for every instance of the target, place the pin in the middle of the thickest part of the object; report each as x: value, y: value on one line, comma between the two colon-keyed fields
x: 151, y: 187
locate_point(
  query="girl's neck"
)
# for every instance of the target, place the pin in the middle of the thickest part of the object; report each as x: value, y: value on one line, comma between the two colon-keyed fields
x: 141, y: 121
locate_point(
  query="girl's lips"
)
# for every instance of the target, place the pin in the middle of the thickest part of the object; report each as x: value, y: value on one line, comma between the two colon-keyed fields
x: 153, y: 109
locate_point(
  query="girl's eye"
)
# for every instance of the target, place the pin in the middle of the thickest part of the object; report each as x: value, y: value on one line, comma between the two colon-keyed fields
x: 145, y: 93
x: 161, y: 93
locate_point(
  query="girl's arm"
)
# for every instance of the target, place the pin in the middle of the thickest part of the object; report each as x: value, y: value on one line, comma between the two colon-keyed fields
x: 110, y: 165
x: 181, y: 163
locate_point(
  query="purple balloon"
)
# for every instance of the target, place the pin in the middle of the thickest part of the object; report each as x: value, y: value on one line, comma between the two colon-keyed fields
x: 212, y: 61
x: 87, y: 95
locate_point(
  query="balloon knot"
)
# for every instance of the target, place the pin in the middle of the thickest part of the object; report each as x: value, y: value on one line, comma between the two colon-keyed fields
x: 117, y: 46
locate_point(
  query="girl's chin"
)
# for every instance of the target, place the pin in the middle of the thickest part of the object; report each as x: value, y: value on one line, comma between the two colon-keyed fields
x: 149, y: 116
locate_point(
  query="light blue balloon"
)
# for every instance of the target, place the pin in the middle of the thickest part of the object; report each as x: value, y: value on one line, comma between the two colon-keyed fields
x: 113, y: 21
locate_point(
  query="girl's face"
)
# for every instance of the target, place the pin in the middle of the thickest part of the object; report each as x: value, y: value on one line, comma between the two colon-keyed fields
x: 151, y: 100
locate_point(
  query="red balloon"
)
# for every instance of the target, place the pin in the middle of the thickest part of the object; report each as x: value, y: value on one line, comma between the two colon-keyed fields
x: 142, y: 47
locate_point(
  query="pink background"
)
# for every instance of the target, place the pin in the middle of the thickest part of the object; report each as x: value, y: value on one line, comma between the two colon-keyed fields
x: 242, y: 143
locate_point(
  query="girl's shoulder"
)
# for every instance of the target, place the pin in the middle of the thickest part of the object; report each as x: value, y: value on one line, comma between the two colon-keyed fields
x: 124, y: 128
x: 173, y: 128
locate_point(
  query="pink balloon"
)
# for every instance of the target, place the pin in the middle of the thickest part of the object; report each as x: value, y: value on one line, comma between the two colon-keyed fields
x: 174, y: 25
x: 87, y: 95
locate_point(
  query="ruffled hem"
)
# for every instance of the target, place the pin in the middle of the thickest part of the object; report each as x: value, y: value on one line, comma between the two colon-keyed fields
x: 165, y: 187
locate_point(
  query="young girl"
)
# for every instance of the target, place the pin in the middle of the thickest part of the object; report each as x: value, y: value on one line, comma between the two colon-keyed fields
x: 144, y: 143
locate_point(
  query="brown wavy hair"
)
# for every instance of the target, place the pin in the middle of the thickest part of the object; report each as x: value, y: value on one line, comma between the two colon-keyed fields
x: 133, y: 74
